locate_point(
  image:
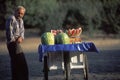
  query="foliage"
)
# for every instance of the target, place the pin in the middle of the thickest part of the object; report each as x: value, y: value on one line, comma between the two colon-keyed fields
x: 2, y: 14
x: 37, y: 11
x: 95, y: 15
x: 111, y: 16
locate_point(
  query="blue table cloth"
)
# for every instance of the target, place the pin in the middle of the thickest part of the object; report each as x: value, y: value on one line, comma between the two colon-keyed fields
x: 82, y: 47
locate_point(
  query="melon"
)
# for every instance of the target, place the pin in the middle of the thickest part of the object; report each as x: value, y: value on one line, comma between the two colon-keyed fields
x: 74, y: 32
x: 47, y: 38
x: 62, y: 38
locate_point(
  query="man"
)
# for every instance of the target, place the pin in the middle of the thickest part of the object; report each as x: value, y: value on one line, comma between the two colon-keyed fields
x: 15, y: 36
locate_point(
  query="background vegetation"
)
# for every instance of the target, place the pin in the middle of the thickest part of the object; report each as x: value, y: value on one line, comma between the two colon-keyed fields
x: 96, y: 15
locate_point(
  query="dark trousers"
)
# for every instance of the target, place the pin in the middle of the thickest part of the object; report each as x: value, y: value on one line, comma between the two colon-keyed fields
x: 19, y: 67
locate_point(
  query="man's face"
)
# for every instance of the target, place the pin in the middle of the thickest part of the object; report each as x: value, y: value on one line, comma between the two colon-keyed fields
x: 20, y: 13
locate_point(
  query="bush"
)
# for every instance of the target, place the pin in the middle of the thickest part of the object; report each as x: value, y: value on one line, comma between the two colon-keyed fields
x: 50, y: 14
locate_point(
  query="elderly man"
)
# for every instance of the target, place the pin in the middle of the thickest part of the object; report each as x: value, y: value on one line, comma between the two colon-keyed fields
x: 15, y: 36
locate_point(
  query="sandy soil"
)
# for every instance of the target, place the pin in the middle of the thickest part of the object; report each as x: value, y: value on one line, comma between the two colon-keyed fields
x: 102, y: 66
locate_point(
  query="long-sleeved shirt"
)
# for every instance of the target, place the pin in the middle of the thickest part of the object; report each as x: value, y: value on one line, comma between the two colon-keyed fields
x: 14, y: 29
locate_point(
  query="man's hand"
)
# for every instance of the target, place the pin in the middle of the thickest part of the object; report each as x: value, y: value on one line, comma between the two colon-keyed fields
x: 20, y: 40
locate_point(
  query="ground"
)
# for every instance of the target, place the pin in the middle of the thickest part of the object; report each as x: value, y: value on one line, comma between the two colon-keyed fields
x: 104, y: 65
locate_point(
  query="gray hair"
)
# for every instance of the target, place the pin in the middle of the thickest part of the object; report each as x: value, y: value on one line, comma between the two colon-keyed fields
x: 20, y: 7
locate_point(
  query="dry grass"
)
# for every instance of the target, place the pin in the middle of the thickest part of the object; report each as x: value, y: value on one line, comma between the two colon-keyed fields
x: 32, y: 41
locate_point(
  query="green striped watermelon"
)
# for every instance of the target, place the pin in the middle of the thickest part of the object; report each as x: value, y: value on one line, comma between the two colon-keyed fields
x: 62, y: 38
x: 47, y: 38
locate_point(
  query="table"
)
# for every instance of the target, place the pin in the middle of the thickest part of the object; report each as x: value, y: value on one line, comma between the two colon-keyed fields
x: 66, y: 48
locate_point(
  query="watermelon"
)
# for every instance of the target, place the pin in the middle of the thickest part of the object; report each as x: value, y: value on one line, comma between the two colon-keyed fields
x: 62, y: 38
x: 69, y: 32
x: 74, y: 32
x: 47, y: 38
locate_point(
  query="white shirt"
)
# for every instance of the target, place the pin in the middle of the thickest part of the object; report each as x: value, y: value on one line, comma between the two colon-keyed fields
x: 14, y: 28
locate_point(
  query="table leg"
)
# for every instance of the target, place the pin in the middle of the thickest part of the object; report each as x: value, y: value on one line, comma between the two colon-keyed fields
x: 85, y: 63
x: 67, y: 70
x: 45, y: 68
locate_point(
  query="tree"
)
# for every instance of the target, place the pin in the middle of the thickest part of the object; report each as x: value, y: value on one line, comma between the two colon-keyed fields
x: 111, y: 16
x: 2, y: 14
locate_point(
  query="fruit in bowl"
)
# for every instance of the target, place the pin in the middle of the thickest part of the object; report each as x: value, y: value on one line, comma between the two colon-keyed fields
x: 74, y: 32
x: 55, y: 32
